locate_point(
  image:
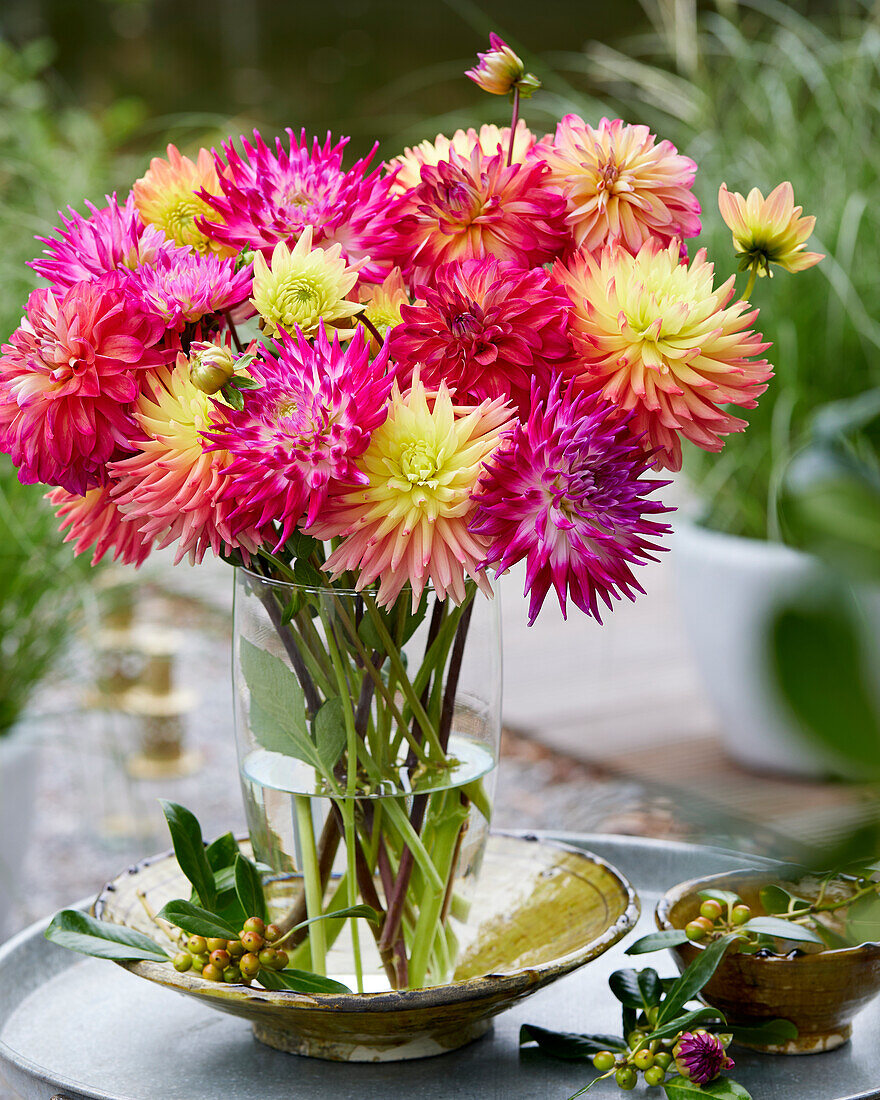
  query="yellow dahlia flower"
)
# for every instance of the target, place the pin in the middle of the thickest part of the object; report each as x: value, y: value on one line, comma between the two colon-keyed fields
x: 302, y: 286
x: 382, y: 303
x: 166, y: 197
x: 660, y: 342
x: 768, y: 231
x: 408, y: 524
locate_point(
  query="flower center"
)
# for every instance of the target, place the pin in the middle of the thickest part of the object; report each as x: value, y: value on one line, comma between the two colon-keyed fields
x: 418, y: 465
x: 465, y: 325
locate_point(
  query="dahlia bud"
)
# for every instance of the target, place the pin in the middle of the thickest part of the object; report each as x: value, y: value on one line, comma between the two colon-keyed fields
x: 210, y: 366
x: 700, y: 1057
x: 501, y: 71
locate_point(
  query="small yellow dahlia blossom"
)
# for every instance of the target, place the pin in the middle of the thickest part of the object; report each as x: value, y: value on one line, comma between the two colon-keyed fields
x: 657, y: 339
x: 768, y: 231
x: 303, y: 286
x: 166, y: 197
x: 490, y: 139
x: 408, y: 524
x: 382, y: 303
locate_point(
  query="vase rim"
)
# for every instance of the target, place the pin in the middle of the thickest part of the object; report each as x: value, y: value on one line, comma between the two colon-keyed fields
x: 367, y: 590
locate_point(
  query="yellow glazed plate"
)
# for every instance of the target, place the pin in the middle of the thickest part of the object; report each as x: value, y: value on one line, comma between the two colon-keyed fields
x: 542, y: 910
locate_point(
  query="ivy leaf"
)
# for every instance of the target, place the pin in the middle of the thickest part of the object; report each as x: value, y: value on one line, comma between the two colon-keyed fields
x: 278, y: 706
x: 330, y: 734
x: 189, y: 850
x: 78, y: 931
x: 680, y: 1088
x: 565, y: 1044
x: 299, y: 981
x: 656, y: 941
x: 249, y: 888
x: 197, y: 921
x: 694, y: 977
x: 782, y: 929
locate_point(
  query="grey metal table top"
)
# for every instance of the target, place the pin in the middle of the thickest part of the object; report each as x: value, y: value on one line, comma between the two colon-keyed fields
x: 83, y: 1028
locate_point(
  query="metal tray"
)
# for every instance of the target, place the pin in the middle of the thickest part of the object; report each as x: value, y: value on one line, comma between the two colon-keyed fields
x: 81, y: 1028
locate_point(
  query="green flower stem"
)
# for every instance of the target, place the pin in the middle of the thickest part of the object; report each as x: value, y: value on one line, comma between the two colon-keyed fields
x: 750, y: 285
x: 406, y: 687
x: 447, y: 822
x: 312, y: 881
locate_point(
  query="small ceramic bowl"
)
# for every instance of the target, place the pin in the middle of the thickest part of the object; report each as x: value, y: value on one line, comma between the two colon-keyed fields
x: 542, y: 910
x: 820, y: 991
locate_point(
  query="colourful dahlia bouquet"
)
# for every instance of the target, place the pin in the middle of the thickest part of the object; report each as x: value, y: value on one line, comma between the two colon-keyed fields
x: 374, y: 389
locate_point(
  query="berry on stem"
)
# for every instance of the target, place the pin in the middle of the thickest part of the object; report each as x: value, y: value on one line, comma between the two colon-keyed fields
x: 626, y: 1078
x: 604, y: 1061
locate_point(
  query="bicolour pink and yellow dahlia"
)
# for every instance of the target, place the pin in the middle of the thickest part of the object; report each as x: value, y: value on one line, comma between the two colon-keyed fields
x: 468, y: 208
x: 407, y: 523
x: 182, y: 287
x: 171, y: 486
x: 94, y: 522
x: 68, y: 378
x: 112, y: 238
x: 768, y: 231
x: 620, y: 184
x: 656, y: 338
x: 489, y: 139
x: 486, y: 328
x: 165, y: 196
x: 310, y: 420
x: 568, y: 496
x: 270, y: 196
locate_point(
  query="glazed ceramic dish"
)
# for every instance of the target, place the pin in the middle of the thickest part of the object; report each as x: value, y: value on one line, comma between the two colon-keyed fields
x: 820, y: 991
x: 543, y: 910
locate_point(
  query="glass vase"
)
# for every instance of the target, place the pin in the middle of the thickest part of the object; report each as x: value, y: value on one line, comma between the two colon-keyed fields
x: 368, y: 741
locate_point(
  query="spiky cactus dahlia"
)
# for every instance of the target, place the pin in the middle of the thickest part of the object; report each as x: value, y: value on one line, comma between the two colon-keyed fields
x: 488, y: 139
x: 566, y: 494
x: 655, y: 337
x: 94, y: 522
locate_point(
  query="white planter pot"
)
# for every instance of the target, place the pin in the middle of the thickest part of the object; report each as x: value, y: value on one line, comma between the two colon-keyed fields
x: 728, y: 590
x: 19, y: 758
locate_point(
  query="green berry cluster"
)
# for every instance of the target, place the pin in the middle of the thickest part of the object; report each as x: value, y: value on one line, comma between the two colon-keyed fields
x: 236, y: 962
x: 651, y: 1060
x: 716, y: 920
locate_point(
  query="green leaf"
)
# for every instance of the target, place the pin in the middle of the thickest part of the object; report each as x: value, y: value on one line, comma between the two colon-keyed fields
x: 300, y: 545
x: 242, y: 382
x: 330, y: 734
x: 197, y: 921
x: 221, y: 852
x: 724, y: 897
x: 625, y: 987
x: 682, y: 1023
x: 233, y: 396
x: 775, y: 899
x: 189, y: 849
x: 414, y: 619
x: 249, y: 888
x: 694, y: 977
x: 369, y: 635
x: 821, y: 667
x: 650, y: 987
x: 679, y: 1088
x: 656, y: 941
x: 365, y: 911
x: 79, y: 932
x: 565, y: 1044
x: 774, y: 1032
x: 306, y: 574
x: 300, y: 981
x: 476, y: 792
x: 781, y: 929
x: 278, y: 706
x: 863, y: 920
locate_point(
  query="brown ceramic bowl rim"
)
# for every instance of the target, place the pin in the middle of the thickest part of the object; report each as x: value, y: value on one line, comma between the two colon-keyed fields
x: 485, y: 986
x: 692, y: 886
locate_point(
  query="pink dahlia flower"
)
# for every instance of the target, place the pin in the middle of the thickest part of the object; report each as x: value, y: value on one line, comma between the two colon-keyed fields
x: 182, y: 286
x: 68, y: 377
x: 655, y: 337
x: 94, y: 522
x: 619, y: 183
x: 468, y: 208
x: 270, y: 196
x: 113, y: 239
x: 171, y: 486
x: 567, y: 495
x: 700, y: 1057
x: 311, y: 418
x: 486, y: 328
x: 490, y: 139
x: 406, y: 520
